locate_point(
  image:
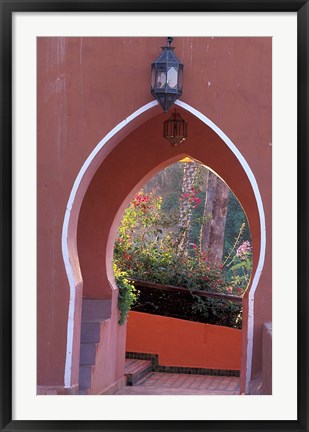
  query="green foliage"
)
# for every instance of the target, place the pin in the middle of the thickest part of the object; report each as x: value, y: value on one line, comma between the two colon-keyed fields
x: 238, y: 263
x: 146, y: 246
x: 128, y: 294
x: 167, y: 184
x: 224, y: 312
x: 171, y: 203
x: 148, y: 249
x: 235, y: 218
x: 145, y: 250
x: 188, y: 306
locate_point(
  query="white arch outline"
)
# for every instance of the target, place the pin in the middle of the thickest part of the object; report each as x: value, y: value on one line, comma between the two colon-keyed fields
x: 65, y: 246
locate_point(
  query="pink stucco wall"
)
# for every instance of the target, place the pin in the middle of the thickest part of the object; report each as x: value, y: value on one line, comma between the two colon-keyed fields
x: 267, y: 359
x: 86, y: 86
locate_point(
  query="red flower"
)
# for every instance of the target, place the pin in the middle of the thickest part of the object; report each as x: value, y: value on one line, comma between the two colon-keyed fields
x: 127, y: 256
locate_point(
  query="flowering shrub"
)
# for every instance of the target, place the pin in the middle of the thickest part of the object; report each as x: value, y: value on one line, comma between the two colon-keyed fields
x: 239, y: 268
x: 238, y: 265
x: 145, y: 250
x: 192, y: 197
x: 243, y: 250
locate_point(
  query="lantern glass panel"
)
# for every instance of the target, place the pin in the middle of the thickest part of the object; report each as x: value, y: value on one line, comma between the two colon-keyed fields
x: 172, y: 76
x: 161, y: 79
x: 153, y: 78
x: 180, y: 78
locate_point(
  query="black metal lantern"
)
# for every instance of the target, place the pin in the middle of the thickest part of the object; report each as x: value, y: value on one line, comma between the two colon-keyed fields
x: 166, y: 77
x: 175, y: 129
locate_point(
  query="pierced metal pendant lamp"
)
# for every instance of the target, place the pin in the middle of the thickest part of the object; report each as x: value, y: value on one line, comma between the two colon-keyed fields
x: 167, y: 77
x: 175, y: 129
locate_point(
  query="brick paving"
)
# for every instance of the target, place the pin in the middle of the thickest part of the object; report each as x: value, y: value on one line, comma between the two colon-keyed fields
x: 158, y: 383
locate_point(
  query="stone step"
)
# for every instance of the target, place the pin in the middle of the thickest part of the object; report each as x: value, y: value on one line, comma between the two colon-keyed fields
x: 94, y: 313
x: 83, y: 391
x: 136, y: 369
x: 96, y: 310
x: 85, y: 372
x: 87, y: 353
x: 90, y: 332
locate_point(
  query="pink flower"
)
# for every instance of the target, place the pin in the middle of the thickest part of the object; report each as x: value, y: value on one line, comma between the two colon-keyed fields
x: 243, y: 249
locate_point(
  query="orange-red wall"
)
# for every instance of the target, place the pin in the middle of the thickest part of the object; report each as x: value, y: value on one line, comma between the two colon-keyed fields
x: 184, y: 343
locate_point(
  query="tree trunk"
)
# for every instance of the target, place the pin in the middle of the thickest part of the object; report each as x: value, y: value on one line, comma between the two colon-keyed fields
x: 185, y: 204
x: 213, y: 227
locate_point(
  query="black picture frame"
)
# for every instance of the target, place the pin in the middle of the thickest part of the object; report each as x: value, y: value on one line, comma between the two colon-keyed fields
x: 7, y: 8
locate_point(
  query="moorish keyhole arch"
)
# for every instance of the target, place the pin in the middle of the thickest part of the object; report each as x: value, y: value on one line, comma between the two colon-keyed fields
x: 135, y: 158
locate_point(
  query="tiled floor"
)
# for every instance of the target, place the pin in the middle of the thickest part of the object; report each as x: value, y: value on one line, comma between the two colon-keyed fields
x: 134, y: 365
x: 158, y: 383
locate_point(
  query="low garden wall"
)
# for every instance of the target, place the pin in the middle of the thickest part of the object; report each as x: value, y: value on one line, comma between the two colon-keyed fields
x: 184, y: 343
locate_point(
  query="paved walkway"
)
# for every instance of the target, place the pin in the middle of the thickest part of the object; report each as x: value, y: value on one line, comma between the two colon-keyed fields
x: 158, y: 383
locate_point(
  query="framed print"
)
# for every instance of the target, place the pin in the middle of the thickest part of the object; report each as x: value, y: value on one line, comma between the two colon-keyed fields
x: 154, y: 215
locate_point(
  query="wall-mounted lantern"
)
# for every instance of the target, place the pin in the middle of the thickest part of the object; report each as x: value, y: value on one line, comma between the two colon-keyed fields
x: 175, y: 129
x: 166, y: 77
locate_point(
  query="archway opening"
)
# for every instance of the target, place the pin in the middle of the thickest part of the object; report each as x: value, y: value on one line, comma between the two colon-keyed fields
x: 183, y: 252
x: 184, y: 229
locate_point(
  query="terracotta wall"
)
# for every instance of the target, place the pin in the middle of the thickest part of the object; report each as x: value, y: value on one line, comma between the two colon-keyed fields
x: 87, y: 86
x: 267, y: 360
x: 184, y: 343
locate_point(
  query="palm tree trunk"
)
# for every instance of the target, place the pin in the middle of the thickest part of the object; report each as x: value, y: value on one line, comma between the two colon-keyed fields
x: 185, y: 205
